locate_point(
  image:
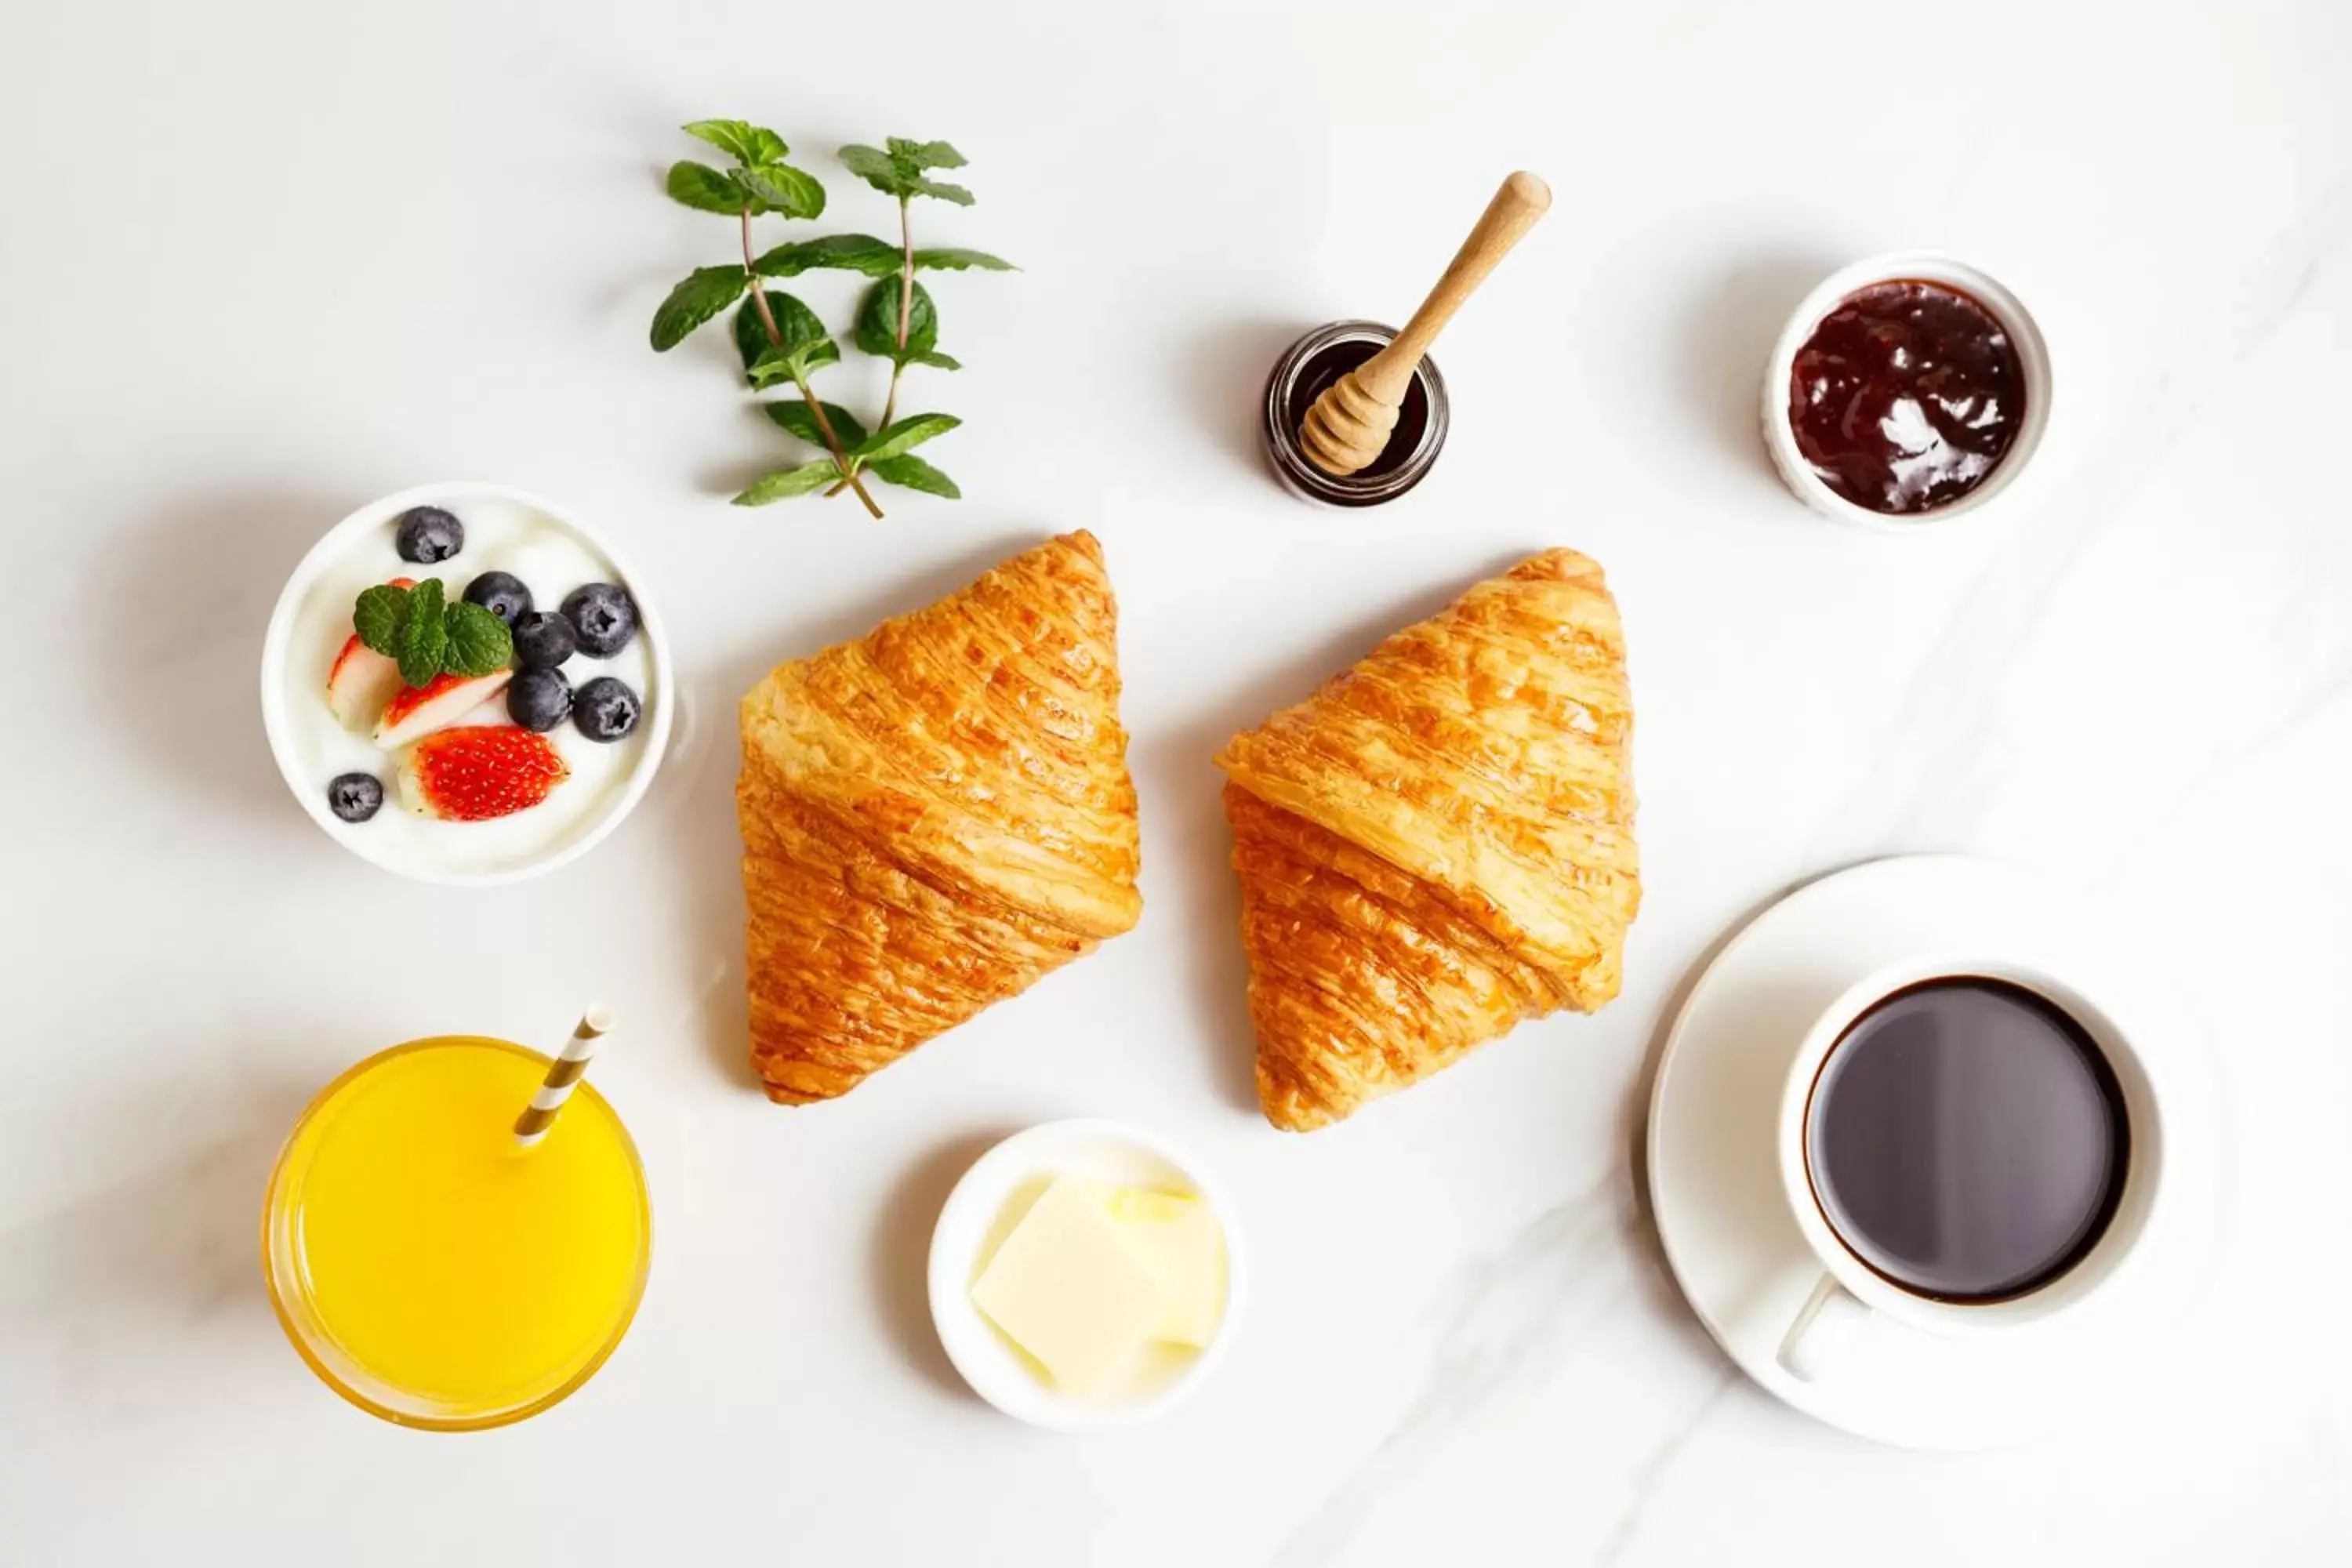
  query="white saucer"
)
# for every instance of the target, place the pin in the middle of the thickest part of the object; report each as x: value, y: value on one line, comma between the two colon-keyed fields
x: 1723, y: 1216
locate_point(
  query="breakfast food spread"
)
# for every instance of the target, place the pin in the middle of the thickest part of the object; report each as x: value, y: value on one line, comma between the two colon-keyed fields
x: 1093, y: 1276
x: 934, y: 817
x: 1436, y: 846
x: 1439, y: 843
x: 1906, y: 396
x: 422, y: 672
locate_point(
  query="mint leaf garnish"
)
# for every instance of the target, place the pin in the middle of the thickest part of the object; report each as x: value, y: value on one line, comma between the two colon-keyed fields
x: 747, y: 143
x: 793, y: 365
x: 478, y: 644
x: 956, y: 259
x: 780, y: 341
x: 920, y: 155
x: 800, y: 345
x: 915, y: 474
x: 875, y: 167
x: 705, y: 189
x: 792, y: 191
x: 378, y: 617
x: 790, y: 482
x: 907, y: 433
x: 705, y: 291
x: 900, y: 172
x: 798, y: 418
x: 425, y: 635
x: 851, y: 252
x: 877, y: 324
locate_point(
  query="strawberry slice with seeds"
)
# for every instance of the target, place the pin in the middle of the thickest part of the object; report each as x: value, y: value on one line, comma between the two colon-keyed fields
x: 417, y: 711
x: 479, y: 772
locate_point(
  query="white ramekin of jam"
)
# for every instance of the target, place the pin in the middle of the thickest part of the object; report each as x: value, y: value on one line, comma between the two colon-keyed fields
x: 1907, y: 390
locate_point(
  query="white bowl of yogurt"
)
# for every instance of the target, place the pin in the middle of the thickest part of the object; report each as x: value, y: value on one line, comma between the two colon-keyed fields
x: 553, y: 552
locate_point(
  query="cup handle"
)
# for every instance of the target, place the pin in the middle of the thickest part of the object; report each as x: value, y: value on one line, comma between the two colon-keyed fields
x: 1829, y: 1319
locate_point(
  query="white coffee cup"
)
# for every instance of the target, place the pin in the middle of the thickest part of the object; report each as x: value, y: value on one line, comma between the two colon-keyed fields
x: 1853, y: 1302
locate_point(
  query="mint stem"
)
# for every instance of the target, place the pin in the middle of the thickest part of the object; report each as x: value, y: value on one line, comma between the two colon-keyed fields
x: 906, y: 315
x: 906, y: 309
x: 776, y: 341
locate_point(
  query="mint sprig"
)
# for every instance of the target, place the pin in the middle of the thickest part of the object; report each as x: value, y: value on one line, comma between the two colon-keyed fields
x: 781, y: 341
x: 424, y: 634
x: 427, y: 636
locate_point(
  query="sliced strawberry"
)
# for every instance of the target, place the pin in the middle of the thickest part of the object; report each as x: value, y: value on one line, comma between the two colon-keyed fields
x: 479, y: 772
x: 417, y: 711
x: 363, y: 680
x: 361, y: 684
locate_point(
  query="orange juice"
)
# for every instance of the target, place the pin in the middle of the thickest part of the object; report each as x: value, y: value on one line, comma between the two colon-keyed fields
x: 429, y: 1268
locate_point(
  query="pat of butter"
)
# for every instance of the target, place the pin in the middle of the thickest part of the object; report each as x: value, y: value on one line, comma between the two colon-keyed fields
x: 1179, y: 1237
x: 1068, y: 1287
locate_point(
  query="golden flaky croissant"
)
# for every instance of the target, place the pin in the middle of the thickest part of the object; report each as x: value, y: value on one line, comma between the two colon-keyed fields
x: 1439, y: 843
x: 934, y: 817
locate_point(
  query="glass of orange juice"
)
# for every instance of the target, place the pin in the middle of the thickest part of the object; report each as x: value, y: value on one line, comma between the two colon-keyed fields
x: 430, y: 1269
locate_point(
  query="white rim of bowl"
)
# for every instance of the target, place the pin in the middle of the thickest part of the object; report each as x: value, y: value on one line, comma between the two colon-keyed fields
x: 1926, y: 267
x: 949, y: 1281
x: 330, y: 546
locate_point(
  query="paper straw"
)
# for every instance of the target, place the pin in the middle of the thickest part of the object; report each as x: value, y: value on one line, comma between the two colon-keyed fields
x: 570, y: 1064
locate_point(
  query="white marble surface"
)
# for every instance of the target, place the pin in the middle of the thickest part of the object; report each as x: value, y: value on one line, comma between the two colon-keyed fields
x: 264, y: 262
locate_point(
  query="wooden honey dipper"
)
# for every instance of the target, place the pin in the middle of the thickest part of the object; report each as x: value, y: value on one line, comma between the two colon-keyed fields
x: 1349, y: 427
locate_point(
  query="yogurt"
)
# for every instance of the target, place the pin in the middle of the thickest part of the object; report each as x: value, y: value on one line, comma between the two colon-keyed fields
x: 504, y: 530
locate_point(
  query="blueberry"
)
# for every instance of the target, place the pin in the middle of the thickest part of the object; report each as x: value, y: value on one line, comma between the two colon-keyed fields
x: 427, y: 534
x: 606, y: 709
x: 539, y: 700
x: 604, y: 615
x: 355, y: 798
x: 501, y: 592
x: 543, y: 639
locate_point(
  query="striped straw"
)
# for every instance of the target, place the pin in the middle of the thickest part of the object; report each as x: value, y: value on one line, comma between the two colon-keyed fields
x: 569, y: 1065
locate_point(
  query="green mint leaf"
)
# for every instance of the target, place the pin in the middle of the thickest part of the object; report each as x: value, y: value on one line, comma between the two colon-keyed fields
x: 904, y: 435
x: 479, y: 643
x: 786, y: 482
x: 850, y: 252
x: 955, y: 260
x: 936, y: 360
x: 802, y: 344
x: 877, y: 324
x: 915, y: 474
x: 794, y: 193
x: 876, y: 168
x: 772, y: 366
x: 778, y: 365
x: 940, y: 189
x: 745, y: 142
x: 705, y: 292
x: 425, y: 635
x: 378, y: 617
x: 797, y: 418
x: 705, y: 189
x: 920, y: 155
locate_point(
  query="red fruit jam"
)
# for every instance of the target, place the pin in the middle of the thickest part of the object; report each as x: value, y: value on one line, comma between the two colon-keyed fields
x: 1906, y: 396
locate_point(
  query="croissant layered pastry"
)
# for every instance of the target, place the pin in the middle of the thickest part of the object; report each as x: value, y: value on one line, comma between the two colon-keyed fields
x: 1439, y: 843
x: 934, y: 817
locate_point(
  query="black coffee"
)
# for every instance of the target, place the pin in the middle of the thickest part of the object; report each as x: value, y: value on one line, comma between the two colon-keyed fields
x: 1966, y: 1140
